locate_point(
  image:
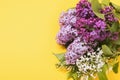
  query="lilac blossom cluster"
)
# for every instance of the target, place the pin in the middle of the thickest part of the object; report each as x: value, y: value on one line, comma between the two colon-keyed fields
x: 76, y: 49
x: 68, y: 17
x: 84, y: 62
x: 84, y: 10
x: 67, y: 32
x: 90, y: 27
x: 109, y: 16
x: 83, y: 30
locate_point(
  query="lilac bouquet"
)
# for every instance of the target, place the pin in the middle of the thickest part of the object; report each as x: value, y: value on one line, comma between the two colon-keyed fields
x: 91, y: 34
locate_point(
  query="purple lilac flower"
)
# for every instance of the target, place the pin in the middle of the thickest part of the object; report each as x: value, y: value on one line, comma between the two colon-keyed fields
x: 114, y: 36
x: 84, y: 10
x: 80, y: 23
x: 90, y: 27
x: 109, y: 16
x: 75, y: 50
x: 68, y: 17
x: 91, y: 21
x: 107, y: 10
x: 100, y: 24
x: 104, y: 35
x: 66, y: 34
x: 71, y: 57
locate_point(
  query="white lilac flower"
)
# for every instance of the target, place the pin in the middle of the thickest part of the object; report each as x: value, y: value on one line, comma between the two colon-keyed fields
x: 91, y: 63
x: 66, y: 34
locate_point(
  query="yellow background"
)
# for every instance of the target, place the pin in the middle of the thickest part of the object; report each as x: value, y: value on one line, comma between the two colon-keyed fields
x: 27, y: 39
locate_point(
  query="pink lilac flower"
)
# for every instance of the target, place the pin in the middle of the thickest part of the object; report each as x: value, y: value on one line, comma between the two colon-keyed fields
x: 66, y: 34
x: 75, y: 50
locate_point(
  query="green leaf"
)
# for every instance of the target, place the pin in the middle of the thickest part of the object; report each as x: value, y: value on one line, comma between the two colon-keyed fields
x: 60, y: 57
x: 96, y: 6
x: 102, y: 74
x: 73, y: 75
x: 99, y: 15
x: 117, y: 10
x: 105, y: 2
x: 90, y: 78
x: 89, y: 1
x: 61, y: 64
x: 115, y: 67
x: 118, y: 53
x: 105, y: 68
x: 116, y: 14
x: 117, y: 42
x: 116, y: 7
x: 106, y: 50
x: 115, y: 27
